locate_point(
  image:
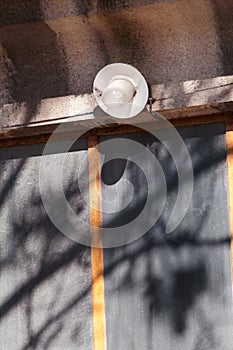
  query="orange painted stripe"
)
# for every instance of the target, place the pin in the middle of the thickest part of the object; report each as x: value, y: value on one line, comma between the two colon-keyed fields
x: 98, y: 316
x: 229, y: 149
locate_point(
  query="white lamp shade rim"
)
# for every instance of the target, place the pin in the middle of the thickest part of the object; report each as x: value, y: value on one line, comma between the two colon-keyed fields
x: 130, y: 84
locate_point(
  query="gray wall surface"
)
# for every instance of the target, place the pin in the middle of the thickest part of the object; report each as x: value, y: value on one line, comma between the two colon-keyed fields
x: 45, y: 278
x: 172, y: 291
x: 161, y: 292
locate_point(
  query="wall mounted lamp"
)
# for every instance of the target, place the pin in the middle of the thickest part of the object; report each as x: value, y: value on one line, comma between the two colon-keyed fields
x: 120, y: 90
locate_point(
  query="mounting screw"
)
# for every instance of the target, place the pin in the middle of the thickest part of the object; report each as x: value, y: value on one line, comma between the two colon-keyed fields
x: 151, y: 100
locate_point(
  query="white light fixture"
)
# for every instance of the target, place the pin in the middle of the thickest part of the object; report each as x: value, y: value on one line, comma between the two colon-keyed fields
x: 120, y: 90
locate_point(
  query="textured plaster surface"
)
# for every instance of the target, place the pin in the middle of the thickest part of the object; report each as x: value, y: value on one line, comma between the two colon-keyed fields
x: 170, y: 42
x: 45, y: 278
x: 202, y: 94
x: 20, y: 11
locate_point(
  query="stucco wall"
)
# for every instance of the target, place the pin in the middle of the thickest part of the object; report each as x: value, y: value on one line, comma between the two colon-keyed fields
x: 170, y: 42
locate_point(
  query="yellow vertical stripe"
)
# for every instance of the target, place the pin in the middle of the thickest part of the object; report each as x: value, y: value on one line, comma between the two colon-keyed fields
x: 229, y: 149
x: 98, y: 319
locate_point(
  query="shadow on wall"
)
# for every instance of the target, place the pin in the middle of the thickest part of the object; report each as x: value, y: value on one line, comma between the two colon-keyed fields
x: 223, y: 11
x: 50, y: 292
x: 39, y: 61
x: 177, y: 95
x: 36, y: 65
x: 170, y: 277
x: 22, y: 11
x: 51, y: 282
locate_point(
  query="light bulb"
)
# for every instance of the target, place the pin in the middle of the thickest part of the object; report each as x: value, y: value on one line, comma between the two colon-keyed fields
x: 120, y: 90
x: 118, y: 93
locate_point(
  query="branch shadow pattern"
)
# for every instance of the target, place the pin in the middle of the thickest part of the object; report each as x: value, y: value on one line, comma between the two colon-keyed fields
x: 170, y: 287
x: 45, y: 277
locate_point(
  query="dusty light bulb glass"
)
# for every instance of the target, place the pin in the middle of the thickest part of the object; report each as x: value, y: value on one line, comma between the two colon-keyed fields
x: 118, y: 93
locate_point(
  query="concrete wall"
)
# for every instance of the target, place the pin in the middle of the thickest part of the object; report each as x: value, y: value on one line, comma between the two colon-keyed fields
x: 45, y: 278
x: 171, y: 292
x: 175, y: 44
x: 163, y: 291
